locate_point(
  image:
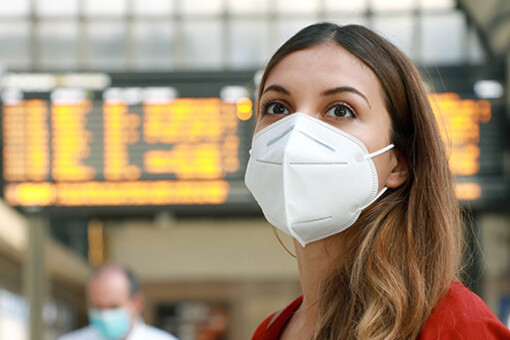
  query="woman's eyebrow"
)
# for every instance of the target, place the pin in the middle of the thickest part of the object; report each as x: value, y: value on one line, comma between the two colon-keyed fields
x: 276, y: 88
x: 341, y: 89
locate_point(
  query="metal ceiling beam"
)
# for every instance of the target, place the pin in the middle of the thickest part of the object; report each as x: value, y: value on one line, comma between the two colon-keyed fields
x: 492, y: 17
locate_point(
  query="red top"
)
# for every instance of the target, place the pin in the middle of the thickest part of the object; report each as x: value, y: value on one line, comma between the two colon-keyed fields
x: 461, y: 314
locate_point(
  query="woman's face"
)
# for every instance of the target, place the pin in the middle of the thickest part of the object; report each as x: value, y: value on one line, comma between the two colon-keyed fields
x: 329, y: 83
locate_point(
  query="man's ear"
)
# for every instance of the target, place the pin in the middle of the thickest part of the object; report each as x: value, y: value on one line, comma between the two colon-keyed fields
x: 138, y: 302
x: 399, y: 172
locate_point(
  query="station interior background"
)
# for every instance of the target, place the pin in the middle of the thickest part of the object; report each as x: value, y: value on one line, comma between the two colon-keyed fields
x: 210, y: 266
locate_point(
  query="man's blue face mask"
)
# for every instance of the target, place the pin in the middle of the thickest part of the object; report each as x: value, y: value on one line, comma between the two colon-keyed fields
x: 111, y: 324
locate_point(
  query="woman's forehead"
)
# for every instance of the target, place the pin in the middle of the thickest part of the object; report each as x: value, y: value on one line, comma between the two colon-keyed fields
x: 322, y: 67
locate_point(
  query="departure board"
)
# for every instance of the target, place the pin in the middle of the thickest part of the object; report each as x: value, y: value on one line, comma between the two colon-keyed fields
x: 474, y: 126
x: 459, y: 122
x: 137, y: 145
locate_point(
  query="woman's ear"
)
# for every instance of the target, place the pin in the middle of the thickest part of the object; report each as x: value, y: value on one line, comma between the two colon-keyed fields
x: 399, y: 172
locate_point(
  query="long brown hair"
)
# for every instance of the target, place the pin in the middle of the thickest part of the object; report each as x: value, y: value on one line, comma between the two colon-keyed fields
x: 406, y: 248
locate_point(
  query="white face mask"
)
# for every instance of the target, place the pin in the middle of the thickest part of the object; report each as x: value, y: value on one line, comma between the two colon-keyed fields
x: 311, y: 179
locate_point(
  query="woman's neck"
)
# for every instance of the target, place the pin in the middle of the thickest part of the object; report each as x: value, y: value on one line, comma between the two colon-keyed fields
x: 315, y: 263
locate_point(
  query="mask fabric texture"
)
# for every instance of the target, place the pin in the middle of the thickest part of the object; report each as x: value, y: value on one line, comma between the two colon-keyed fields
x: 111, y: 324
x: 311, y: 179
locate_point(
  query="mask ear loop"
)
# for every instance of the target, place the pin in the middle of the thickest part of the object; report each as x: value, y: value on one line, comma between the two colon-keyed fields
x: 281, y: 243
x: 377, y: 153
x: 383, y: 190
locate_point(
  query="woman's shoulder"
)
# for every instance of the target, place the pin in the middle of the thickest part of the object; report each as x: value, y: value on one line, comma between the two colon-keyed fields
x: 272, y: 326
x: 462, y: 314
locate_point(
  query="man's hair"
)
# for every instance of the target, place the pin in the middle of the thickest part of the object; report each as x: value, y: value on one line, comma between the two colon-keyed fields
x: 134, y: 283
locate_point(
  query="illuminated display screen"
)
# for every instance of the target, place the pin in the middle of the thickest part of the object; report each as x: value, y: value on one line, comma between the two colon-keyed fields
x: 134, y: 141
x: 474, y: 125
x: 143, y: 146
x: 459, y: 123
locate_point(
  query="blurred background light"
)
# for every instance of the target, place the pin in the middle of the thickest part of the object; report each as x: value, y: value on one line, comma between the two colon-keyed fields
x: 489, y: 89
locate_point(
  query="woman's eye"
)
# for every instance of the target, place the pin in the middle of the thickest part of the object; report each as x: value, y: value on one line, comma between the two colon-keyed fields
x: 341, y: 111
x: 276, y: 109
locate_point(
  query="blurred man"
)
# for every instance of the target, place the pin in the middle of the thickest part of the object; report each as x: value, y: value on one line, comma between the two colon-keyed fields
x: 115, y: 305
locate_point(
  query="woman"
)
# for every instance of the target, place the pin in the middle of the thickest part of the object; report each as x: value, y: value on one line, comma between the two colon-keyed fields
x: 347, y: 159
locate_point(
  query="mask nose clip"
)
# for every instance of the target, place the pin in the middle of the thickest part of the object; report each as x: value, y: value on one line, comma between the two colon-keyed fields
x: 283, y: 134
